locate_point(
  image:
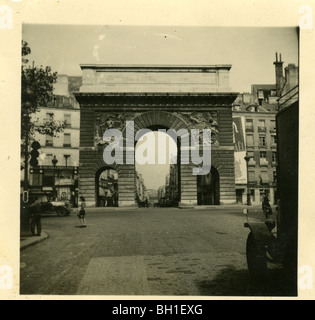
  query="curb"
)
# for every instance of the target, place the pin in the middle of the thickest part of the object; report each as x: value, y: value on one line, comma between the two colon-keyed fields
x: 109, y: 209
x: 26, y: 242
x: 199, y: 207
x: 211, y: 207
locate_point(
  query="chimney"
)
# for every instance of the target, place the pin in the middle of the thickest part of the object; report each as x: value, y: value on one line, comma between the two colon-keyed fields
x: 279, y: 75
x: 291, y: 76
x: 61, y: 86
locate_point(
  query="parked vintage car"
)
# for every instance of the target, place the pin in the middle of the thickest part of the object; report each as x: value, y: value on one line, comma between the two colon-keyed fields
x: 46, y: 206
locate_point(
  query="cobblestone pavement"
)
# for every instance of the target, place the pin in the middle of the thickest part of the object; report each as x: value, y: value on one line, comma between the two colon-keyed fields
x: 155, y: 251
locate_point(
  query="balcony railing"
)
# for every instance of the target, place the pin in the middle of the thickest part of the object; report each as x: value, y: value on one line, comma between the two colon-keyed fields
x: 63, y: 102
x: 57, y: 168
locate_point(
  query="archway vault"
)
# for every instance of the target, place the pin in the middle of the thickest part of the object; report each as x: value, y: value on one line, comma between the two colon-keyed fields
x: 153, y: 120
x: 160, y: 119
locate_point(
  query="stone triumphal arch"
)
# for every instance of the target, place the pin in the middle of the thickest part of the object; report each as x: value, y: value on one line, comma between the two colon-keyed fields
x: 176, y: 97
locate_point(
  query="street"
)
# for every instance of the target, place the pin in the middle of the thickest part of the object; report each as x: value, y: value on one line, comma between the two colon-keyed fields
x: 144, y: 251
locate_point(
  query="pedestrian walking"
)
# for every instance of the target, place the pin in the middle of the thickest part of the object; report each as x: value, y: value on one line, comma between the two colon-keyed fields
x: 266, y: 207
x: 36, y: 223
x: 146, y: 202
x: 81, y: 212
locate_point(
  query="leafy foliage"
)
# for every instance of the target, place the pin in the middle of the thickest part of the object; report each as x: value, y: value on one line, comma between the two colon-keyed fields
x: 37, y: 87
x: 37, y: 91
x: 26, y: 50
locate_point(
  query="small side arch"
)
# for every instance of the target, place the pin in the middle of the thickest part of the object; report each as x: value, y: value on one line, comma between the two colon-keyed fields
x: 208, y: 188
x: 106, y: 187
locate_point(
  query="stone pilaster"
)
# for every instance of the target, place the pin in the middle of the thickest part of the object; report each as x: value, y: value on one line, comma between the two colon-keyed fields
x: 188, y: 186
x: 223, y: 161
x: 126, y: 185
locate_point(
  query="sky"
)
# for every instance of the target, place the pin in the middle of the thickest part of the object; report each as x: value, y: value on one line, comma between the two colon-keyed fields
x: 250, y: 51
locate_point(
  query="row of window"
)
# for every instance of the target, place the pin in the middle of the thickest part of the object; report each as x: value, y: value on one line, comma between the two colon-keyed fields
x: 261, y: 124
x: 263, y: 155
x: 261, y: 127
x: 49, y: 141
x: 48, y: 178
x: 262, y: 140
x: 66, y: 118
x: 66, y: 159
x: 262, y: 178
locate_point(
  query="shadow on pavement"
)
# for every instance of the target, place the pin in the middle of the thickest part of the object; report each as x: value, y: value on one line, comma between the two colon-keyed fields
x: 236, y: 282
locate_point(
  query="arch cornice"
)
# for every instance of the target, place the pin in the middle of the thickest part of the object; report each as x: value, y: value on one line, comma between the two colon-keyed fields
x: 141, y: 100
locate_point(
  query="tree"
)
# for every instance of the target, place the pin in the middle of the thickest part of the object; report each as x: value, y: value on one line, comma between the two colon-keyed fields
x: 37, y: 91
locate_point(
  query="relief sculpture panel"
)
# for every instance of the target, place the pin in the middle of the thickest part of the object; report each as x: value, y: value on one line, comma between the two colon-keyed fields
x: 203, y: 120
x: 195, y: 120
x: 110, y: 120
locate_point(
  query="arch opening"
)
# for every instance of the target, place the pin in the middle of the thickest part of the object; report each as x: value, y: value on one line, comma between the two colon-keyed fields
x: 106, y: 185
x: 157, y: 169
x: 208, y: 188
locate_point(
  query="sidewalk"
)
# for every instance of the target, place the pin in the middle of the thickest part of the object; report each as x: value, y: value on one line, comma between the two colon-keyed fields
x: 26, y: 242
x: 196, y: 207
x: 226, y: 206
x: 240, y: 207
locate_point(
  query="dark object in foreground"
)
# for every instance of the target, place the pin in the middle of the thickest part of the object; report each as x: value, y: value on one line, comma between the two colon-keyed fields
x: 280, y: 247
x: 31, y: 212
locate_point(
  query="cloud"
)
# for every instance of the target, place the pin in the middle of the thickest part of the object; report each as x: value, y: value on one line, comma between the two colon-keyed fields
x: 101, y: 37
x: 95, y: 52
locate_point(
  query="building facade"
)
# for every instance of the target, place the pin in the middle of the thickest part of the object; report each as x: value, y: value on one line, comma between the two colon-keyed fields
x: 57, y: 172
x: 259, y: 142
x: 255, y: 135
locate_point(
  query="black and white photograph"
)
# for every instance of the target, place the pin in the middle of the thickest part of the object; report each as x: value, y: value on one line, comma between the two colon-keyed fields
x: 159, y: 160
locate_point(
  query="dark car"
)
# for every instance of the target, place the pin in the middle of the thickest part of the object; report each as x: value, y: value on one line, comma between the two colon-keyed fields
x: 45, y: 206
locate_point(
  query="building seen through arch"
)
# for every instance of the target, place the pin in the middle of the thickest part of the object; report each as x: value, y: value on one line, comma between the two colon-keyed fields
x: 157, y: 180
x: 107, y: 188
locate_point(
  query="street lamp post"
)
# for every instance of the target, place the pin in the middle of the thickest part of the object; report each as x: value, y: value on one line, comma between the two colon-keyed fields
x: 247, y: 158
x: 27, y: 98
x: 54, y: 162
x: 26, y: 119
